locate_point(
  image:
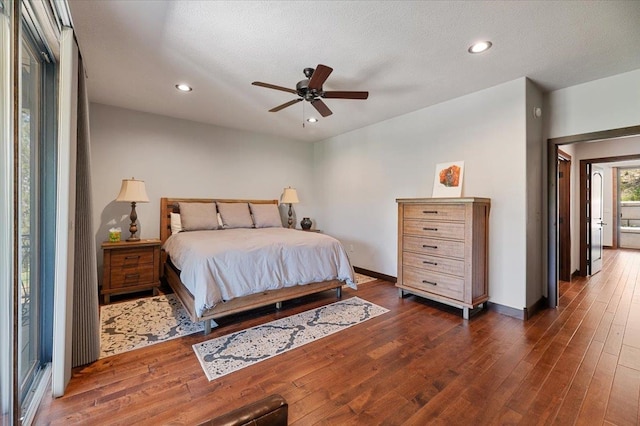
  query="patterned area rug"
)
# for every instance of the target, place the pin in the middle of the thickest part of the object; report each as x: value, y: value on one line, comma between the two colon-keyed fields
x: 361, y: 279
x: 226, y: 354
x: 134, y: 324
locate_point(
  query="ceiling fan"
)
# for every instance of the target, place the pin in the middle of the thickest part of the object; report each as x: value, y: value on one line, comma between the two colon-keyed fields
x: 310, y: 90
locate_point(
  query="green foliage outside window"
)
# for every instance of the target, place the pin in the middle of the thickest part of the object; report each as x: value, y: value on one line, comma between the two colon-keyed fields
x: 629, y: 185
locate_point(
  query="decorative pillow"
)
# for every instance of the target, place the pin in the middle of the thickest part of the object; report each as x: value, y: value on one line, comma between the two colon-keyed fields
x: 198, y: 216
x: 176, y: 223
x: 235, y: 215
x: 266, y: 215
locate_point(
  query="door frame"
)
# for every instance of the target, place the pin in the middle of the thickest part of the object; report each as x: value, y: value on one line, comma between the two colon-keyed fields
x: 552, y: 196
x: 564, y: 211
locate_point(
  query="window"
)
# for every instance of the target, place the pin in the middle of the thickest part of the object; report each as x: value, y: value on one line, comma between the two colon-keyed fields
x: 27, y: 210
x: 630, y: 184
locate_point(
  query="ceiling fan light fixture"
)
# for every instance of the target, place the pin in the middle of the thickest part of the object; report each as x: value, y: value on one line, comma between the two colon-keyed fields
x: 312, y: 120
x: 184, y: 87
x: 479, y: 47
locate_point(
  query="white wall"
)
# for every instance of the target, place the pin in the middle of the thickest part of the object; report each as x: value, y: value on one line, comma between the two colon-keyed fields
x: 608, y: 103
x: 359, y: 175
x: 179, y: 158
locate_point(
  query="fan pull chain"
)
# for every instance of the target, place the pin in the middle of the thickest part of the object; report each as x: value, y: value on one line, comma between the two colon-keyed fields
x: 303, y: 114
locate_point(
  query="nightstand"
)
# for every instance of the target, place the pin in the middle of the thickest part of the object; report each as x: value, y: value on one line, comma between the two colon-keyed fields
x: 130, y: 267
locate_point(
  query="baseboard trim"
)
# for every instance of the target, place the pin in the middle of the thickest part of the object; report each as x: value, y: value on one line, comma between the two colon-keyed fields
x: 521, y: 314
x: 540, y: 305
x: 375, y: 274
x: 507, y: 310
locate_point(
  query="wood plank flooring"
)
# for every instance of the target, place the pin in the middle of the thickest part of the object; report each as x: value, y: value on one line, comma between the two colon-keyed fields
x: 421, y: 363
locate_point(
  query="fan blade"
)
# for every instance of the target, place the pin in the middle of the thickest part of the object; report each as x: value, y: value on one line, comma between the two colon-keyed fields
x: 322, y: 108
x: 319, y: 76
x: 287, y: 104
x: 345, y: 95
x: 273, y: 86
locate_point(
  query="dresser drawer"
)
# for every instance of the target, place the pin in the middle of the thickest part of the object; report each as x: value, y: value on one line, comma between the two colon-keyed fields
x: 131, y: 257
x: 433, y: 263
x: 443, y: 285
x: 428, y: 228
x: 131, y: 277
x: 433, y: 246
x: 434, y: 211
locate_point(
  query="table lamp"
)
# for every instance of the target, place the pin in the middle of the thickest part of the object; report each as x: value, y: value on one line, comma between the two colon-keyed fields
x: 290, y: 196
x: 133, y: 191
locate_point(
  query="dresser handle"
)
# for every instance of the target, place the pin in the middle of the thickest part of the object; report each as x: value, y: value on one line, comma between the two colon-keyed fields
x: 430, y: 211
x: 430, y: 263
x: 131, y: 276
x: 430, y: 229
x: 133, y: 257
x: 429, y: 282
x: 428, y: 246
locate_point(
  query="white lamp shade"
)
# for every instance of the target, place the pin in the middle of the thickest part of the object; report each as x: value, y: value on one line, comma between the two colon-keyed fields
x: 133, y: 191
x: 289, y: 196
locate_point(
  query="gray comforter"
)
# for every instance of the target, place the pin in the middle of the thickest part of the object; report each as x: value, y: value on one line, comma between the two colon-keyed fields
x: 220, y: 265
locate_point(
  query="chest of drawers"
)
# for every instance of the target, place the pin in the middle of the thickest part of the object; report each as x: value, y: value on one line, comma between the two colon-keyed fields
x: 443, y: 250
x: 130, y: 267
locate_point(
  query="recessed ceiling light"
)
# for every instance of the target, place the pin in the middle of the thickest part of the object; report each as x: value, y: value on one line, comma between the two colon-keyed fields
x: 312, y: 120
x: 183, y: 87
x: 480, y: 47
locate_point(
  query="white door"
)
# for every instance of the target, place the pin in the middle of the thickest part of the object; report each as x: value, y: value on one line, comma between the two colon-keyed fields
x: 596, y: 215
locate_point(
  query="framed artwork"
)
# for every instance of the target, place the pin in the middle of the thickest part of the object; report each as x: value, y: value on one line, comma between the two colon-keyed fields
x: 448, y: 179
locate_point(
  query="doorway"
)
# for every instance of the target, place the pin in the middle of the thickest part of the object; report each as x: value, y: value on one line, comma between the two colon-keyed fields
x: 553, y: 200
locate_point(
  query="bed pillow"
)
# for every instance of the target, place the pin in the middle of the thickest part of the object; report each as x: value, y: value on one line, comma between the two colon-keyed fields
x: 198, y: 216
x: 235, y: 215
x: 176, y: 223
x: 266, y: 215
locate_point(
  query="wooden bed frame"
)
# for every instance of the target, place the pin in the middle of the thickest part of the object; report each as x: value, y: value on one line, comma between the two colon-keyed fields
x: 240, y: 304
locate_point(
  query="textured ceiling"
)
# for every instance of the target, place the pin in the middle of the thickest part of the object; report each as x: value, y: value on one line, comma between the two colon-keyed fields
x: 408, y: 55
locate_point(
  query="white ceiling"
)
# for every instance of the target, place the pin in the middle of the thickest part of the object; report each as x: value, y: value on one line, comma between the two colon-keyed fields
x: 407, y: 54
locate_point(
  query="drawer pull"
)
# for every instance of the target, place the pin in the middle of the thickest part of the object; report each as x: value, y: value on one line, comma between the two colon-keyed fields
x: 429, y: 282
x: 430, y: 229
x: 133, y: 257
x: 430, y: 211
x: 131, y: 276
x: 428, y: 246
x: 430, y: 263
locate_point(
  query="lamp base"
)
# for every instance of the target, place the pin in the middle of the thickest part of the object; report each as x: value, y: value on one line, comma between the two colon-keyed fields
x: 290, y: 221
x: 132, y: 239
x: 133, y: 228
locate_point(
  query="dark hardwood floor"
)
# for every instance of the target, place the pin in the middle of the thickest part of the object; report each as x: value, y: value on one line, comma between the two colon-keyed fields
x: 421, y: 363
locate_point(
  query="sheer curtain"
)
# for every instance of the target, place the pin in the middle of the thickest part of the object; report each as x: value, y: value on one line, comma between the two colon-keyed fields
x: 86, y: 327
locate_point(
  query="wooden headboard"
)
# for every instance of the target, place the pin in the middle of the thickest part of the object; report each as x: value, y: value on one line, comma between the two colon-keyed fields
x: 172, y: 205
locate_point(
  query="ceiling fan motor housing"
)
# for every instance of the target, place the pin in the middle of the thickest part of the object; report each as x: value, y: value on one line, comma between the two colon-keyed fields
x: 304, y: 92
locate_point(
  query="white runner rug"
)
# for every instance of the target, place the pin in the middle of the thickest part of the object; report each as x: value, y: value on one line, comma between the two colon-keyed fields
x: 226, y: 354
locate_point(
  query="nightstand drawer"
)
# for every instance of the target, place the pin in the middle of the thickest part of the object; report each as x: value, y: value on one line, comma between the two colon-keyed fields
x: 434, y: 211
x: 131, y: 277
x: 443, y: 285
x: 427, y: 228
x: 131, y: 257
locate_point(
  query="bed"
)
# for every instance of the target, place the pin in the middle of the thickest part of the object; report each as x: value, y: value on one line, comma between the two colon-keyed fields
x: 268, y: 260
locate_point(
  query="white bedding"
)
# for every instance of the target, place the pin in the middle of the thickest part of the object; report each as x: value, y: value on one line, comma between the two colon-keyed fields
x: 220, y: 265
